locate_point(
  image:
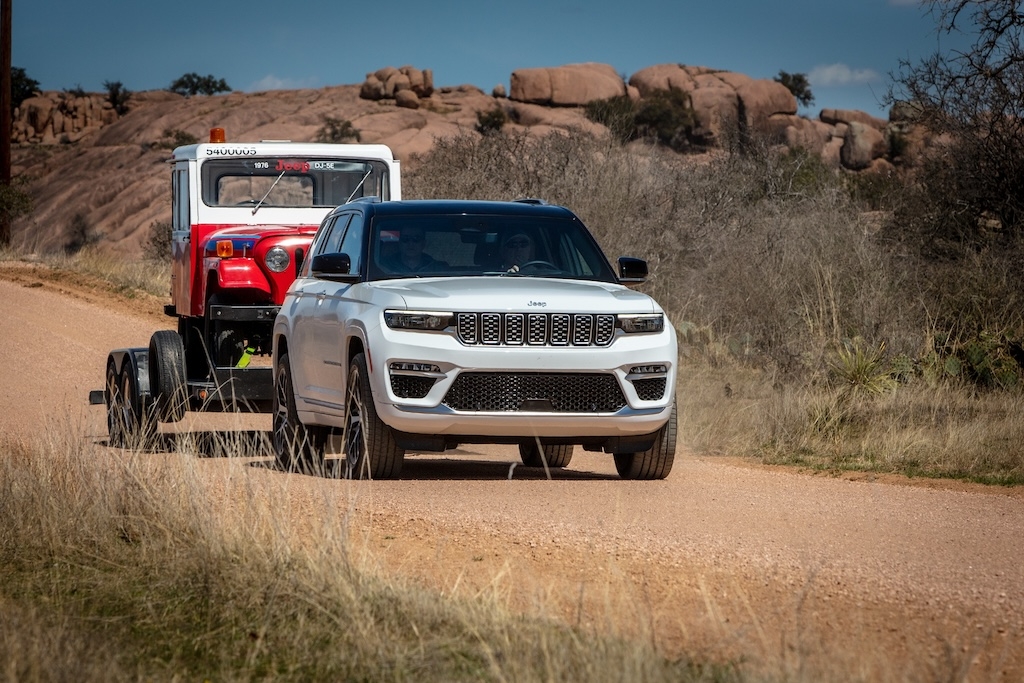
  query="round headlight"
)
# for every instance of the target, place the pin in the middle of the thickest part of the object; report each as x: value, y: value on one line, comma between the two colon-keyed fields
x: 277, y: 259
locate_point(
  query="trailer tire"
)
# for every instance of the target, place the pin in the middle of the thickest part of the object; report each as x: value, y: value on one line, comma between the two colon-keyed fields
x: 139, y: 424
x: 167, y: 375
x: 116, y: 426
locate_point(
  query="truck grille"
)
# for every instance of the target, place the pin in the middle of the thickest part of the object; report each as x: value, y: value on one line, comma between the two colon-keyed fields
x: 536, y: 329
x: 535, y: 392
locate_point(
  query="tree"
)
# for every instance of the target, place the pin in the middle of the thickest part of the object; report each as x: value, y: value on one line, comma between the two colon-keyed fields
x: 22, y: 87
x: 118, y: 96
x: 193, y: 84
x: 798, y: 85
x: 974, y: 96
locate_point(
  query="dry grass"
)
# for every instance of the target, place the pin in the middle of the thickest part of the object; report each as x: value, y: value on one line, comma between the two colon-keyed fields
x: 125, y: 566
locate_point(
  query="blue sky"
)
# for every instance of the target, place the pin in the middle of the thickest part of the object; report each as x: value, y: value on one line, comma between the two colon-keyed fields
x: 847, y: 48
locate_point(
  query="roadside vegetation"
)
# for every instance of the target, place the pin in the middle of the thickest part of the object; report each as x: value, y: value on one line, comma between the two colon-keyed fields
x: 124, y: 566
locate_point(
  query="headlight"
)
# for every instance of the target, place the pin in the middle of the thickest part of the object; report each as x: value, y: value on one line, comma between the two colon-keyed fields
x: 277, y: 259
x: 417, y: 320
x: 642, y: 323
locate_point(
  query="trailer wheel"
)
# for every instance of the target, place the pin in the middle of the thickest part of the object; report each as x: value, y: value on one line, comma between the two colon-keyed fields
x: 139, y: 425
x: 297, y: 447
x: 116, y: 426
x: 167, y: 375
x: 370, y: 448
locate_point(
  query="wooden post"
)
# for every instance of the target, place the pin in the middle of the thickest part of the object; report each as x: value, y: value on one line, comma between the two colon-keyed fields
x: 5, y: 113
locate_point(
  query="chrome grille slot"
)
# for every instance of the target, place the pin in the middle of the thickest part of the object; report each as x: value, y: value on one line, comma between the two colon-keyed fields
x: 514, y: 328
x: 582, y: 329
x: 490, y: 328
x: 560, y: 329
x: 538, y: 328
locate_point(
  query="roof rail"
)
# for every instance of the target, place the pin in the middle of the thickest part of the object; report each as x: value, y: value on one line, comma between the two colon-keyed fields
x: 368, y: 199
x: 531, y: 200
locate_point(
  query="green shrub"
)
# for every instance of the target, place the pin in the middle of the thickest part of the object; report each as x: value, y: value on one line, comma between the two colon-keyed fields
x: 491, y: 121
x: 22, y: 87
x: 617, y: 114
x: 798, y: 85
x: 191, y: 84
x: 335, y: 130
x: 668, y: 117
x: 118, y: 96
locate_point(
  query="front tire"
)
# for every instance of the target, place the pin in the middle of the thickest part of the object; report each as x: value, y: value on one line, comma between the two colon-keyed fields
x: 654, y: 463
x: 116, y: 427
x: 370, y: 448
x: 556, y: 455
x: 297, y: 447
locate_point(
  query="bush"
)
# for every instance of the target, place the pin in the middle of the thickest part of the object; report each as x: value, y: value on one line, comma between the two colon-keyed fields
x: 193, y: 84
x: 159, y: 243
x: 79, y: 234
x: 173, y: 138
x: 336, y: 130
x: 492, y: 121
x: 798, y: 85
x: 22, y: 87
x: 664, y: 116
x: 118, y: 96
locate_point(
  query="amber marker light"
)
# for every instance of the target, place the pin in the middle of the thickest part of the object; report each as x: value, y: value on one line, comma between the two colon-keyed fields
x: 225, y: 249
x: 217, y: 135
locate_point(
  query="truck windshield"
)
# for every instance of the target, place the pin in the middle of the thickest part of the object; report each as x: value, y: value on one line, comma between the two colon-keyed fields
x: 291, y: 182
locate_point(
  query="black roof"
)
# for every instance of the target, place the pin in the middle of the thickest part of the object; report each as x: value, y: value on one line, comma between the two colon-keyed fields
x: 463, y: 206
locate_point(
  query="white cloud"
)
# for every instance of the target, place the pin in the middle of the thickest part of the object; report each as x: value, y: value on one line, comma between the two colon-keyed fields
x: 840, y: 74
x: 272, y: 82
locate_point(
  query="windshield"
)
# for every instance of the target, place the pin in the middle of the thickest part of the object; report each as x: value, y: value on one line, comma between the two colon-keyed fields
x: 291, y: 182
x: 510, y: 246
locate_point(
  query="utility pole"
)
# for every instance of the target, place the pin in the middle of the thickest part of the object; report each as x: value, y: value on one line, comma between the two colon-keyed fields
x: 5, y: 114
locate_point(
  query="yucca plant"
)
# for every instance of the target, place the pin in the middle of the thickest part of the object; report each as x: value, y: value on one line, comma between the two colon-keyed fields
x: 861, y: 369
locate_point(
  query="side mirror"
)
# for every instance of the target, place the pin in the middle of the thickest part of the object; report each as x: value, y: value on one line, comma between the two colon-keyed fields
x: 632, y: 271
x: 333, y: 267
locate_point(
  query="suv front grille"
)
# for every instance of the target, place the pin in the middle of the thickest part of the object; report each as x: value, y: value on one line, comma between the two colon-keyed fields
x: 536, y: 329
x: 535, y: 392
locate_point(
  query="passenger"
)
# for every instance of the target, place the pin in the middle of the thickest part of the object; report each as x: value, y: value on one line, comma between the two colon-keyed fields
x: 517, y: 250
x: 411, y: 258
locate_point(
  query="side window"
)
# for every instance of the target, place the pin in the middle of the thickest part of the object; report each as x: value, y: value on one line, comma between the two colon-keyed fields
x: 180, y: 208
x: 352, y: 244
x: 332, y: 244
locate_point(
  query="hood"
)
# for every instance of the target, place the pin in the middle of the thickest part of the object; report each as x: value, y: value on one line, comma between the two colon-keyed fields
x: 250, y: 232
x: 508, y: 294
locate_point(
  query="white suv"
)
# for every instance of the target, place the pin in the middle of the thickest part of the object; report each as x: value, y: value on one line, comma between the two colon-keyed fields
x: 422, y: 325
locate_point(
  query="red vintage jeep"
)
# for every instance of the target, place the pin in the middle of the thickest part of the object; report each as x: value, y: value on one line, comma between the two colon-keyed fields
x: 243, y: 217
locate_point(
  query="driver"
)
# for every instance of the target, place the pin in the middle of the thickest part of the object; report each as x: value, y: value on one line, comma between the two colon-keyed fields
x: 516, y: 250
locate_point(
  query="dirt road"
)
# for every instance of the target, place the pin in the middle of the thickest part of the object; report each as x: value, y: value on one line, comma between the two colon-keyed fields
x: 846, y: 577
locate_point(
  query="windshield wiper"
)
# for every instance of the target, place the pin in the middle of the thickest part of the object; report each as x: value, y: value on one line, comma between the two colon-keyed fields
x: 368, y: 172
x: 260, y: 202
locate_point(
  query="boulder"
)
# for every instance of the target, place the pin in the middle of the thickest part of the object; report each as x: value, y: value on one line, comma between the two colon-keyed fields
x: 372, y: 88
x: 716, y: 111
x: 662, y: 77
x: 572, y: 85
x: 499, y: 91
x: 760, y: 99
x: 834, y: 116
x: 861, y: 145
x: 407, y: 99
